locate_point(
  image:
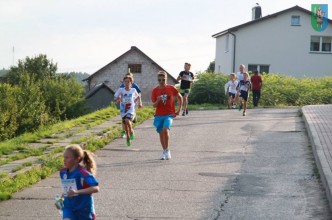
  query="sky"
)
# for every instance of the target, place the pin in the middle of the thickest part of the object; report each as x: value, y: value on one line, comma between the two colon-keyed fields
x: 85, y: 35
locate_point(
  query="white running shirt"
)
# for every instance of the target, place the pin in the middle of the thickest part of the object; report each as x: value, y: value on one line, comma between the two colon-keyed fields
x: 127, y: 100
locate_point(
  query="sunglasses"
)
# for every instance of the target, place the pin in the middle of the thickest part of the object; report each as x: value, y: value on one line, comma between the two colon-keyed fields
x: 161, y: 79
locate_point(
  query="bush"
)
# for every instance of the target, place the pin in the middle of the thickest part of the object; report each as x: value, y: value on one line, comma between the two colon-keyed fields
x: 281, y: 90
x: 64, y: 97
x: 36, y: 96
x: 30, y: 103
x: 278, y: 90
x: 9, y: 112
x: 209, y: 88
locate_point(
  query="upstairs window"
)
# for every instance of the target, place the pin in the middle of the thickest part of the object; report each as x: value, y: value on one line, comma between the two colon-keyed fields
x: 295, y: 20
x: 135, y: 68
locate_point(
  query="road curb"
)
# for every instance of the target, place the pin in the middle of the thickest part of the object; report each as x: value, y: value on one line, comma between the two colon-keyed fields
x: 318, y: 151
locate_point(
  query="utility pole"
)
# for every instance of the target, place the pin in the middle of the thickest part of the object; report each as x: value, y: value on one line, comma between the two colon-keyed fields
x: 13, y: 55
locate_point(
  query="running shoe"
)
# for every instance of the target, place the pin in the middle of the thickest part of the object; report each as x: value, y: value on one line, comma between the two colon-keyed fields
x: 244, y: 113
x: 163, y: 156
x: 123, y: 134
x: 132, y: 136
x: 128, y: 143
x: 186, y: 111
x: 168, y: 154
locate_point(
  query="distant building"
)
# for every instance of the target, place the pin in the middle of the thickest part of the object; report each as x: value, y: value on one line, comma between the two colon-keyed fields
x: 101, y: 96
x: 143, y: 68
x: 284, y: 42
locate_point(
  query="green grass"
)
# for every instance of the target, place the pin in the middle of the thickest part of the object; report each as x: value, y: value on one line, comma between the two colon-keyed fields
x: 19, y: 143
x: 52, y: 162
x: 27, y: 164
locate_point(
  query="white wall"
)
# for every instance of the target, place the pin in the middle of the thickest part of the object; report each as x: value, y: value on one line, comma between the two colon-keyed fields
x: 224, y: 56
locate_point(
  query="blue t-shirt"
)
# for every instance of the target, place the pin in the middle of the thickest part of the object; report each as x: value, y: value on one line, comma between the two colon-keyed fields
x: 83, y: 179
x: 135, y: 86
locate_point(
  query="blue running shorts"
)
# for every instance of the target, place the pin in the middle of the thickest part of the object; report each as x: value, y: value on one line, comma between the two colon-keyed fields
x: 163, y: 121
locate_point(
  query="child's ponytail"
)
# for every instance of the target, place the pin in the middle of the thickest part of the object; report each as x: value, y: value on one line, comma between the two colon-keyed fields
x: 89, y: 162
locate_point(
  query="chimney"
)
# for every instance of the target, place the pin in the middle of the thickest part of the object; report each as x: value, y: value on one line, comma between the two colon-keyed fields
x: 256, y: 12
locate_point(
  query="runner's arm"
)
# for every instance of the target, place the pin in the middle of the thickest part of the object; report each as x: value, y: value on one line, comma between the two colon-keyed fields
x: 180, y: 100
x: 90, y: 190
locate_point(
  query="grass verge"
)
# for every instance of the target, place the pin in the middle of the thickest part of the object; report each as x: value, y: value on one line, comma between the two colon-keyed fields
x: 48, y: 164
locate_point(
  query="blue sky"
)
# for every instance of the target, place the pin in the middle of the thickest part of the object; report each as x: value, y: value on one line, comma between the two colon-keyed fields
x: 85, y: 35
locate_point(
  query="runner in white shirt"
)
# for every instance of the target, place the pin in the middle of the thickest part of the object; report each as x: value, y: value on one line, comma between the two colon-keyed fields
x: 230, y: 90
x: 239, y: 78
x: 127, y: 97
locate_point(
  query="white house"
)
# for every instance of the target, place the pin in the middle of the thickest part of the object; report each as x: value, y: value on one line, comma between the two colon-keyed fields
x: 284, y: 42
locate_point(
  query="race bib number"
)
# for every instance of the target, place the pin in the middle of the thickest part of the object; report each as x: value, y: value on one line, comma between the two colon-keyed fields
x: 68, y: 184
x: 126, y: 100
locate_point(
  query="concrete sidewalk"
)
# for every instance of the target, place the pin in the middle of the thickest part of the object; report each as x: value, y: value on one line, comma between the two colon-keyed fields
x: 318, y: 119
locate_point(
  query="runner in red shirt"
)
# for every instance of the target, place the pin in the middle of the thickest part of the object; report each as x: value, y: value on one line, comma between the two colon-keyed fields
x: 256, y: 86
x: 162, y: 98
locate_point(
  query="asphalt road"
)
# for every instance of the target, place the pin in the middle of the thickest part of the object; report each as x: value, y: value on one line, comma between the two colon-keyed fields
x: 223, y: 166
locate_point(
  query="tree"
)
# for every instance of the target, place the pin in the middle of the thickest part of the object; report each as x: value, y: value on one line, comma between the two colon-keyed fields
x: 42, y: 96
x: 3, y: 72
x: 64, y: 97
x: 39, y: 68
x: 31, y: 104
x: 211, y: 67
x: 9, y: 111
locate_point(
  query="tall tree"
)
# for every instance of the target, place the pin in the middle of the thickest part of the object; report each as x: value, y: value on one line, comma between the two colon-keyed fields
x: 211, y: 67
x: 42, y: 96
x: 38, y: 68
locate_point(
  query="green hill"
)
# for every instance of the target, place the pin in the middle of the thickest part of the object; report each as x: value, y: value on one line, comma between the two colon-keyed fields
x: 3, y: 72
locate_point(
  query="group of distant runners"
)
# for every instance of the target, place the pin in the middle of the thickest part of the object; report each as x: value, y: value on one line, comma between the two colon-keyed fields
x: 239, y: 86
x: 78, y: 175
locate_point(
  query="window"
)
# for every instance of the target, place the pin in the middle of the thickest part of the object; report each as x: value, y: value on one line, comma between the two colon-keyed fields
x: 227, y: 43
x: 252, y: 68
x: 295, y: 21
x: 259, y: 67
x: 314, y: 44
x: 264, y: 68
x: 135, y: 68
x: 326, y: 44
x: 320, y: 44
